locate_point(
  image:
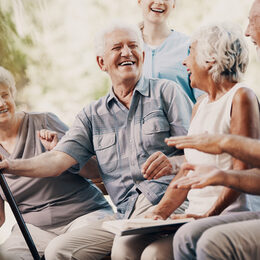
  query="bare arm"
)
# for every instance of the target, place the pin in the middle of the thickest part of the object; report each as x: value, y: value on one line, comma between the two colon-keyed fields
x: 171, y: 200
x: 247, y: 181
x: 243, y: 122
x: 2, y: 212
x: 47, y: 164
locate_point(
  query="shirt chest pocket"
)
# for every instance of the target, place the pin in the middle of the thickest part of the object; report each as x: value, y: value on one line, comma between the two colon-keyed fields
x: 155, y: 129
x: 106, y: 151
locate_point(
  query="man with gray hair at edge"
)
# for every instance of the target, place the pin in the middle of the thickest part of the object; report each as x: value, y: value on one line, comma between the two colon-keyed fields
x: 125, y: 130
x: 233, y: 236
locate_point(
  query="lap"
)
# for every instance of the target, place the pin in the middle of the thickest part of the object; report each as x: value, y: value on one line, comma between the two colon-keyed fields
x: 15, y: 246
x: 236, y: 240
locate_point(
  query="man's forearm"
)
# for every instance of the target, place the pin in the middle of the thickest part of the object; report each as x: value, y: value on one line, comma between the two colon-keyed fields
x: 247, y: 181
x: 242, y: 148
x: 44, y: 165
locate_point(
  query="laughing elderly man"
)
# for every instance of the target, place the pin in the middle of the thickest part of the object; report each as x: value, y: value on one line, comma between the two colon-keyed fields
x: 126, y: 131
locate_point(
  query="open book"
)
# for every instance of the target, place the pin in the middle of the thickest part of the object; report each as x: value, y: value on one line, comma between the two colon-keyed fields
x: 125, y: 227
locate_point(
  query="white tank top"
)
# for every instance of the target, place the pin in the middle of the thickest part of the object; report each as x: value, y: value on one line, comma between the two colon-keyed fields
x: 214, y: 118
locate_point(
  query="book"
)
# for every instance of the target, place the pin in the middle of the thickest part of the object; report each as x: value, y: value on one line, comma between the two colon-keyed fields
x: 135, y: 226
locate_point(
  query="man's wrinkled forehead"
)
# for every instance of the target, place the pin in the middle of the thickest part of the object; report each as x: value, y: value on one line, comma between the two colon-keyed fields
x: 118, y: 36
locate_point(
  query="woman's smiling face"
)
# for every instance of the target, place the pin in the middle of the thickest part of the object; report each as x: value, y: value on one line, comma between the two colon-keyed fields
x: 156, y: 11
x: 7, y: 104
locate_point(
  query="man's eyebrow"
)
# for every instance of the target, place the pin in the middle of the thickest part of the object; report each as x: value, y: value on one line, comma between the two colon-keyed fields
x: 117, y: 43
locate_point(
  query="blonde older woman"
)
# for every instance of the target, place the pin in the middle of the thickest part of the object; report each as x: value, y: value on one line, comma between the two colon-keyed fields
x: 217, y: 61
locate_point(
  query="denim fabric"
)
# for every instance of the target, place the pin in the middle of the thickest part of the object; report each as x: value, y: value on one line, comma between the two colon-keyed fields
x: 123, y: 139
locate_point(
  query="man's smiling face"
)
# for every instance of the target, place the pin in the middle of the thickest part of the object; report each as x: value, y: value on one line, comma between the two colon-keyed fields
x: 123, y: 57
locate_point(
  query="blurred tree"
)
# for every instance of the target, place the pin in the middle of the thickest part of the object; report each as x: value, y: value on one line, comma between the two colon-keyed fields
x: 12, y: 54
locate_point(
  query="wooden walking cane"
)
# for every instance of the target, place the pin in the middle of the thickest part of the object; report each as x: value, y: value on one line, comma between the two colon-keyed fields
x: 19, y: 218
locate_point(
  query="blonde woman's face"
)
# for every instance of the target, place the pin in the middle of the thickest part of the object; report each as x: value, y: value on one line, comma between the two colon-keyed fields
x: 156, y: 11
x: 7, y: 104
x: 196, y: 72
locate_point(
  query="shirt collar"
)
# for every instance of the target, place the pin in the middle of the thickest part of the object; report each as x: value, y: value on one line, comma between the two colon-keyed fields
x: 141, y: 87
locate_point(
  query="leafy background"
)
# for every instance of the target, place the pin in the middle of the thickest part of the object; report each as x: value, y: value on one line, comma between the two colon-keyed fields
x: 48, y: 45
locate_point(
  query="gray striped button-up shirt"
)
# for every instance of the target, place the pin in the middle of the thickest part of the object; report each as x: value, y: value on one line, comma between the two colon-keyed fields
x: 123, y: 139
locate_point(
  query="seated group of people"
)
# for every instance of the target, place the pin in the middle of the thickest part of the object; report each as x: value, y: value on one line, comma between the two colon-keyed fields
x: 134, y: 137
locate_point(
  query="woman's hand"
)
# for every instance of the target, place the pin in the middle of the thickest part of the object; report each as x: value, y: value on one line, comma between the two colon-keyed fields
x: 154, y: 216
x: 156, y: 166
x: 182, y: 216
x: 49, y: 139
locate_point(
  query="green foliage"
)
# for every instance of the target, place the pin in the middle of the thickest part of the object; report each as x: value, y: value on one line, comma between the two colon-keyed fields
x: 12, y: 56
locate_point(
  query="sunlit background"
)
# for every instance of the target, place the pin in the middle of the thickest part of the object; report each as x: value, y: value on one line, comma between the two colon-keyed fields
x: 48, y: 45
x: 51, y: 51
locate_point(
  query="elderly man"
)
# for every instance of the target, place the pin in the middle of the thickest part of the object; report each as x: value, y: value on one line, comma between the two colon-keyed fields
x: 234, y: 236
x: 125, y: 130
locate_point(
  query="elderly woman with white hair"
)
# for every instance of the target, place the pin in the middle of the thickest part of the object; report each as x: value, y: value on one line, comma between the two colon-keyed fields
x: 217, y: 61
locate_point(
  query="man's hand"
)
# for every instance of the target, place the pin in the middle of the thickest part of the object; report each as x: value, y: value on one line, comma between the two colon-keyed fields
x: 182, y: 216
x: 202, y: 176
x: 49, y: 139
x: 156, y: 166
x: 207, y: 143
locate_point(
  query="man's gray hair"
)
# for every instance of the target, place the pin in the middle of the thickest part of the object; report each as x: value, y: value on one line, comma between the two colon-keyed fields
x: 100, y: 37
x: 225, y: 46
x: 7, y: 79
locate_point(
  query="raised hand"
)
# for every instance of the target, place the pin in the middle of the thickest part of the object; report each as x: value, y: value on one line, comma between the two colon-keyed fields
x: 156, y: 166
x: 49, y: 139
x: 202, y: 176
x: 207, y: 143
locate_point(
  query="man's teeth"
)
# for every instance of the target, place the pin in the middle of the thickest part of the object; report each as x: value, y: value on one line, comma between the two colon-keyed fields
x: 127, y: 63
x: 157, y: 10
x: 3, y: 111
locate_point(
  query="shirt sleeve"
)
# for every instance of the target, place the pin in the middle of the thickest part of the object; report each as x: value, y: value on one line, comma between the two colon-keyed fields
x: 77, y: 142
x: 178, y: 108
x: 53, y: 123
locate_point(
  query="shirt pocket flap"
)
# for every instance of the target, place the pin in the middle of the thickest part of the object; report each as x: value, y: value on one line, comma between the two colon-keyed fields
x: 155, y: 123
x: 104, y: 141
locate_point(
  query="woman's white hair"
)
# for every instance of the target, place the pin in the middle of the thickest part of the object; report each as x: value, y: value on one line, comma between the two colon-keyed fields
x: 7, y: 79
x: 223, y: 45
x: 100, y: 37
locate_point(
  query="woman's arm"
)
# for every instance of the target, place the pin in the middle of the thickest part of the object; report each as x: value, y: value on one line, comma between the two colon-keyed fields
x: 170, y: 201
x: 244, y: 122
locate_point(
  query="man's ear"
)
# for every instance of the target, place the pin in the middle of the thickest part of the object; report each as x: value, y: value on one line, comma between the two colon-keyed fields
x: 143, y: 56
x: 139, y: 1
x: 100, y: 62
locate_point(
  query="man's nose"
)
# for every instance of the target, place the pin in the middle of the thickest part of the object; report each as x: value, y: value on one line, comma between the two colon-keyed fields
x: 2, y: 101
x: 126, y: 51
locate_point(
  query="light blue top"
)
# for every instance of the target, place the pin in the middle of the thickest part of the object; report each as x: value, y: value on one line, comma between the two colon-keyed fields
x: 165, y: 62
x: 123, y: 139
